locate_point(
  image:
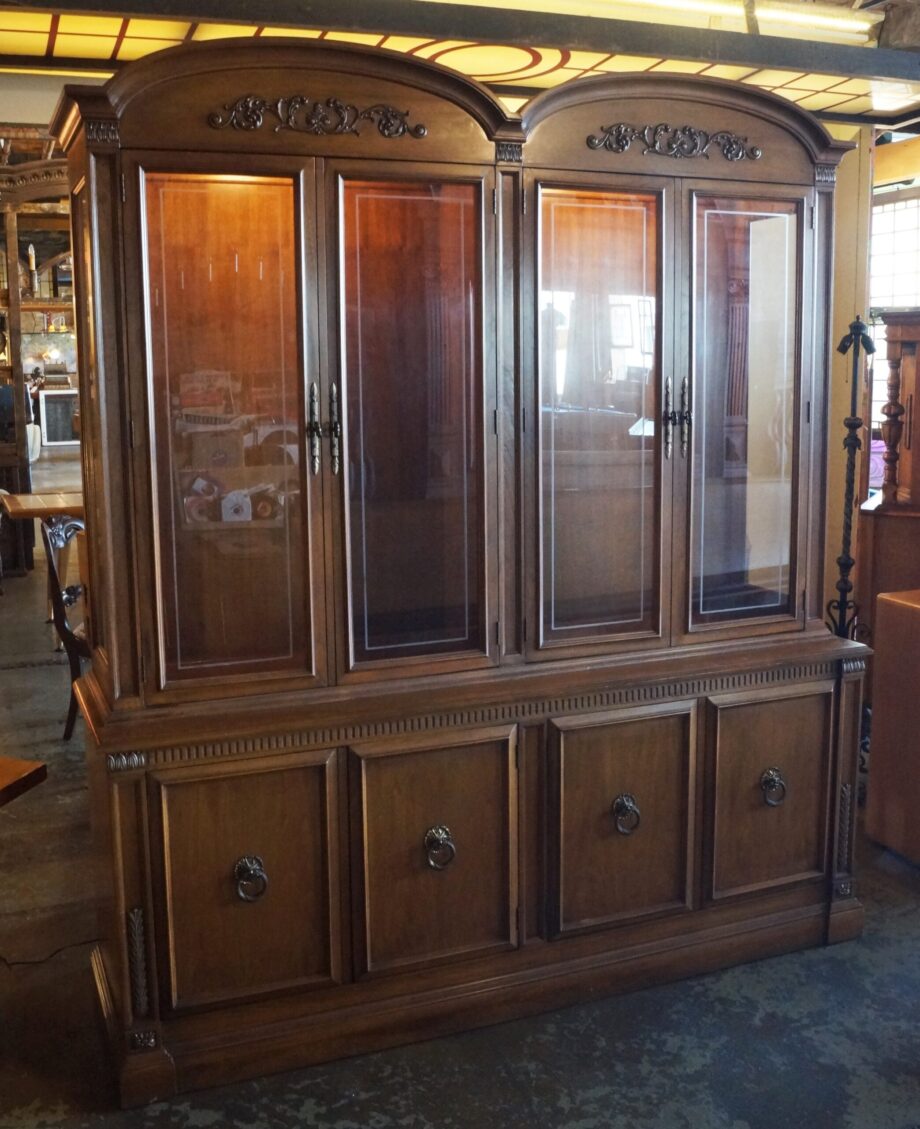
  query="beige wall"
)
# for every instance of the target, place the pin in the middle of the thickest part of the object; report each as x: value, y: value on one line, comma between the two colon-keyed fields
x: 850, y: 297
x: 30, y: 99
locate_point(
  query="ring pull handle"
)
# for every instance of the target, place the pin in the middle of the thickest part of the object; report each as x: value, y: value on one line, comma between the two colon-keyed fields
x: 773, y: 787
x: 626, y: 814
x: 439, y: 847
x: 251, y: 879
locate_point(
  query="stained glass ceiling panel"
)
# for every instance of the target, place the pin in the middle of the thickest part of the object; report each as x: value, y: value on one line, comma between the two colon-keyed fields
x: 104, y: 42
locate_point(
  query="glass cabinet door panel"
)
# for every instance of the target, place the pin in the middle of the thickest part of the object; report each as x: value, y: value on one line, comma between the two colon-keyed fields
x: 223, y: 309
x: 598, y: 345
x: 412, y: 373
x: 745, y: 371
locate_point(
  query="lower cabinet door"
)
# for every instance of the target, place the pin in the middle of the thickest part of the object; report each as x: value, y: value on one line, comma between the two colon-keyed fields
x: 621, y: 816
x: 771, y: 765
x: 246, y: 878
x: 435, y: 848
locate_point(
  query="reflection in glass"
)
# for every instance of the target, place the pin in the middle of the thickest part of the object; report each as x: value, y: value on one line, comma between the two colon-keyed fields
x: 744, y: 381
x: 222, y: 315
x: 412, y: 375
x: 598, y: 359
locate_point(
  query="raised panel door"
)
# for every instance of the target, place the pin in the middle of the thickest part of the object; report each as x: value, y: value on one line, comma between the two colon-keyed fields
x: 434, y: 848
x: 770, y: 789
x: 247, y: 878
x: 623, y: 798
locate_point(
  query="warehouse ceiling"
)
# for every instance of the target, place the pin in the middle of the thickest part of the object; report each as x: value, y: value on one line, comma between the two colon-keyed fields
x: 843, y: 59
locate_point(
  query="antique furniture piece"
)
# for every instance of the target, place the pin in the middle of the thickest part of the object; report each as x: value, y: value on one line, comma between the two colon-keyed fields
x: 36, y: 320
x: 893, y: 794
x: 454, y: 491
x: 889, y: 522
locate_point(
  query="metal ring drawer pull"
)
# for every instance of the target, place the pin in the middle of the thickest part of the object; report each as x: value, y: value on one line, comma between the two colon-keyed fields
x: 439, y: 847
x: 625, y: 812
x: 251, y: 879
x: 773, y: 787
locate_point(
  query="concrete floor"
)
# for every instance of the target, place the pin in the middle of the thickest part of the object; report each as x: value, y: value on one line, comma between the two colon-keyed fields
x: 827, y: 1039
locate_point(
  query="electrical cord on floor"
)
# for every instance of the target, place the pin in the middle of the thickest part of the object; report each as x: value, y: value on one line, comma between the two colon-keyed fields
x: 44, y: 960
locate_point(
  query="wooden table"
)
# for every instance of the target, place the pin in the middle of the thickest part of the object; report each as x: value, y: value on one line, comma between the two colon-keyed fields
x: 17, y: 776
x: 24, y: 507
x: 20, y: 507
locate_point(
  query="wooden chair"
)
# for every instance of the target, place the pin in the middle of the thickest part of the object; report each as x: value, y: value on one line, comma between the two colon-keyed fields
x: 57, y: 533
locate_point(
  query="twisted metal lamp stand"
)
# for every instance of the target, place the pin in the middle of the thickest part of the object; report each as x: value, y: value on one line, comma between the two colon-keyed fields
x: 842, y: 612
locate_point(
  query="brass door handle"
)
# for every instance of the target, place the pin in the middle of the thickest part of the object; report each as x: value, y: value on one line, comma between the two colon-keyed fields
x: 335, y: 428
x: 626, y: 814
x: 314, y: 428
x: 439, y: 847
x: 685, y: 416
x: 773, y: 787
x: 251, y: 879
x: 668, y: 420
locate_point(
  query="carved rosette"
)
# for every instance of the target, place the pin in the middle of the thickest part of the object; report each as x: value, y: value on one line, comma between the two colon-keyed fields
x: 305, y: 115
x: 664, y: 140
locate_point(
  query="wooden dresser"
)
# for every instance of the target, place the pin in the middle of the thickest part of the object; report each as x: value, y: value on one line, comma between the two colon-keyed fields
x: 893, y: 795
x: 454, y: 487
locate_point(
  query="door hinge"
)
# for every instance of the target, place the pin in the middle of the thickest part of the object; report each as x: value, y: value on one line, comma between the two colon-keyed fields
x: 132, y: 434
x: 143, y: 670
x: 494, y: 201
x: 124, y: 190
x: 524, y: 629
x: 523, y: 419
x: 523, y: 201
x: 804, y: 599
x: 517, y: 924
x: 498, y: 633
x: 495, y: 421
x: 808, y: 411
x: 811, y: 217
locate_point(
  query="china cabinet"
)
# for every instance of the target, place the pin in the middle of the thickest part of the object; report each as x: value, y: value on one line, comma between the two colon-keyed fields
x: 454, y: 488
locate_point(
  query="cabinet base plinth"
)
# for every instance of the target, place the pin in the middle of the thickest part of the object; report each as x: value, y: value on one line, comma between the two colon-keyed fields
x: 238, y: 1052
x: 846, y: 921
x: 145, y: 1071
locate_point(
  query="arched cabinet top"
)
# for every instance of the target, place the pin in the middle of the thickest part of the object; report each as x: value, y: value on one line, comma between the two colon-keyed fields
x: 278, y: 97
x: 679, y: 126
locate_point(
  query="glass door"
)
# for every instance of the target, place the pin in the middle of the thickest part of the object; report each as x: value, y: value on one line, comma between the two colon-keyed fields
x: 413, y: 402
x: 600, y: 335
x: 746, y: 315
x: 224, y: 300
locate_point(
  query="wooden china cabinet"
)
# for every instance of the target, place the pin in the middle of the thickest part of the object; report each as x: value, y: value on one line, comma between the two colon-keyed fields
x: 454, y: 489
